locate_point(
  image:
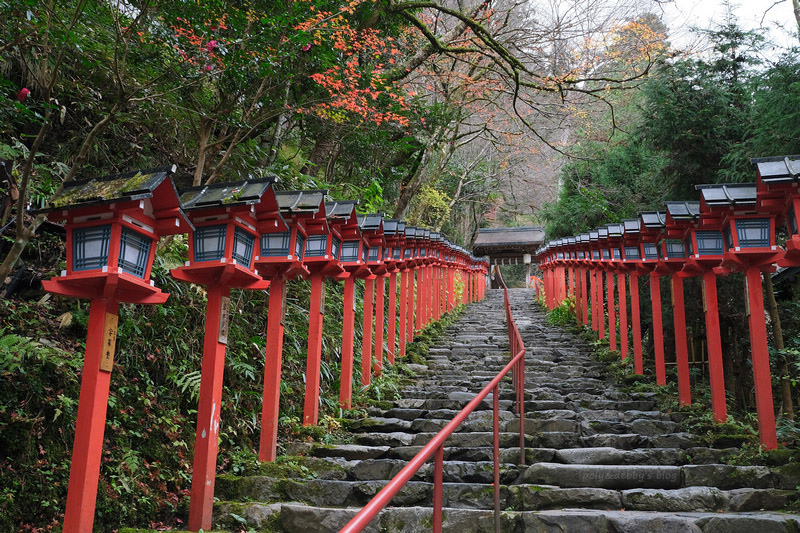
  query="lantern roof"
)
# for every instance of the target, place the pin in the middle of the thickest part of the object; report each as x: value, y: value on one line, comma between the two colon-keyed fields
x: 594, y: 235
x: 411, y: 232
x: 135, y: 185
x: 733, y: 194
x: 341, y: 210
x: 299, y: 202
x: 234, y: 194
x: 615, y: 230
x: 153, y: 185
x: 654, y: 219
x: 631, y: 225
x: 683, y: 210
x: 583, y: 237
x: 602, y: 233
x: 779, y: 169
x: 571, y: 241
x: 390, y: 226
x: 372, y: 222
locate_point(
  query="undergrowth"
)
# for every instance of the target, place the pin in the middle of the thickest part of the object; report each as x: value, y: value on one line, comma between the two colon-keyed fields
x: 149, y: 438
x: 739, y: 432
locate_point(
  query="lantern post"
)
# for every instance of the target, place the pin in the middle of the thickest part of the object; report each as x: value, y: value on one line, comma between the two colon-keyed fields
x: 617, y: 267
x: 598, y: 254
x: 607, y: 266
x: 399, y: 260
x: 632, y: 262
x: 584, y: 253
x: 749, y: 246
x: 671, y: 261
x: 322, y: 260
x: 112, y: 225
x: 281, y: 248
x: 652, y: 223
x: 353, y: 258
x: 704, y: 246
x: 221, y: 247
x: 411, y: 254
x: 393, y: 247
x: 372, y: 227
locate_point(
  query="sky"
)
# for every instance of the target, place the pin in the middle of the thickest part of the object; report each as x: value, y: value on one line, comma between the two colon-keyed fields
x: 680, y: 15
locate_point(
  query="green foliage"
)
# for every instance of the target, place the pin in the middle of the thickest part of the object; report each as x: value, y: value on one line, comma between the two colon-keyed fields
x: 564, y: 314
x: 150, y: 428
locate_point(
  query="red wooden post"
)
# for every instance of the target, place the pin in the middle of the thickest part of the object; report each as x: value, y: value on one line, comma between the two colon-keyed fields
x: 451, y: 288
x: 403, y: 311
x: 366, y: 342
x: 571, y: 280
x: 87, y: 449
x: 623, y: 315
x: 584, y: 298
x: 421, y: 289
x: 759, y: 354
x: 348, y: 335
x: 427, y: 303
x: 612, y: 315
x: 314, y: 358
x: 208, y: 409
x: 638, y: 365
x: 681, y: 348
x: 658, y: 331
x: 601, y: 312
x: 379, y: 302
x: 273, y: 354
x: 578, y: 303
x: 714, y: 340
x: 392, y: 330
x: 593, y: 290
x: 410, y: 306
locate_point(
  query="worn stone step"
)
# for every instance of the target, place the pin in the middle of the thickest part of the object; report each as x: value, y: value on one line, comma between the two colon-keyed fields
x: 649, y: 476
x: 651, y: 456
x: 295, y: 517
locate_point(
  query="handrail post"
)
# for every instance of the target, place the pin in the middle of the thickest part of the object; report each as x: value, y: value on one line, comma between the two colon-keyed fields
x: 496, y: 454
x: 438, y: 489
x: 522, y: 409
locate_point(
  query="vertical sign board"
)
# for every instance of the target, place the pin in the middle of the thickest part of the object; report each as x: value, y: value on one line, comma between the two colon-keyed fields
x: 109, y: 342
x: 224, y: 319
x: 746, y: 297
x: 282, y: 318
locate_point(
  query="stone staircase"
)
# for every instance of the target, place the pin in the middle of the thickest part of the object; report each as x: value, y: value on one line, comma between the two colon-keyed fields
x: 598, y: 459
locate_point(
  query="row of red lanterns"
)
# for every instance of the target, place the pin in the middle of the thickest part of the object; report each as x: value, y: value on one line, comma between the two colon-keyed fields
x: 732, y: 228
x: 242, y: 235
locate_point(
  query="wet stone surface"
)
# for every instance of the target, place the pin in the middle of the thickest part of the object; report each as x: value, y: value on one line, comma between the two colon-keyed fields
x: 596, y: 459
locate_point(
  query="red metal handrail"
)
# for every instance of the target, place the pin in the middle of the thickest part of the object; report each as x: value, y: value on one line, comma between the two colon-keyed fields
x: 436, y: 445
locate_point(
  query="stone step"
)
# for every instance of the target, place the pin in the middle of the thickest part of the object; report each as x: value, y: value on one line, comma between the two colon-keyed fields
x: 596, y: 458
x: 296, y: 517
x: 641, y: 456
x: 660, y: 476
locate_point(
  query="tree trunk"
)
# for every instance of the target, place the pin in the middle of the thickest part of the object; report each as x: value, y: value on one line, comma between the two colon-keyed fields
x: 418, y: 177
x: 777, y: 333
x: 796, y: 7
x: 206, y: 125
x: 323, y: 148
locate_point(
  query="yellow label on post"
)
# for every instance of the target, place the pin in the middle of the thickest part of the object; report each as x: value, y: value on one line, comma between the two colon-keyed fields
x: 109, y: 342
x: 224, y: 319
x: 705, y: 304
x: 283, y: 303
